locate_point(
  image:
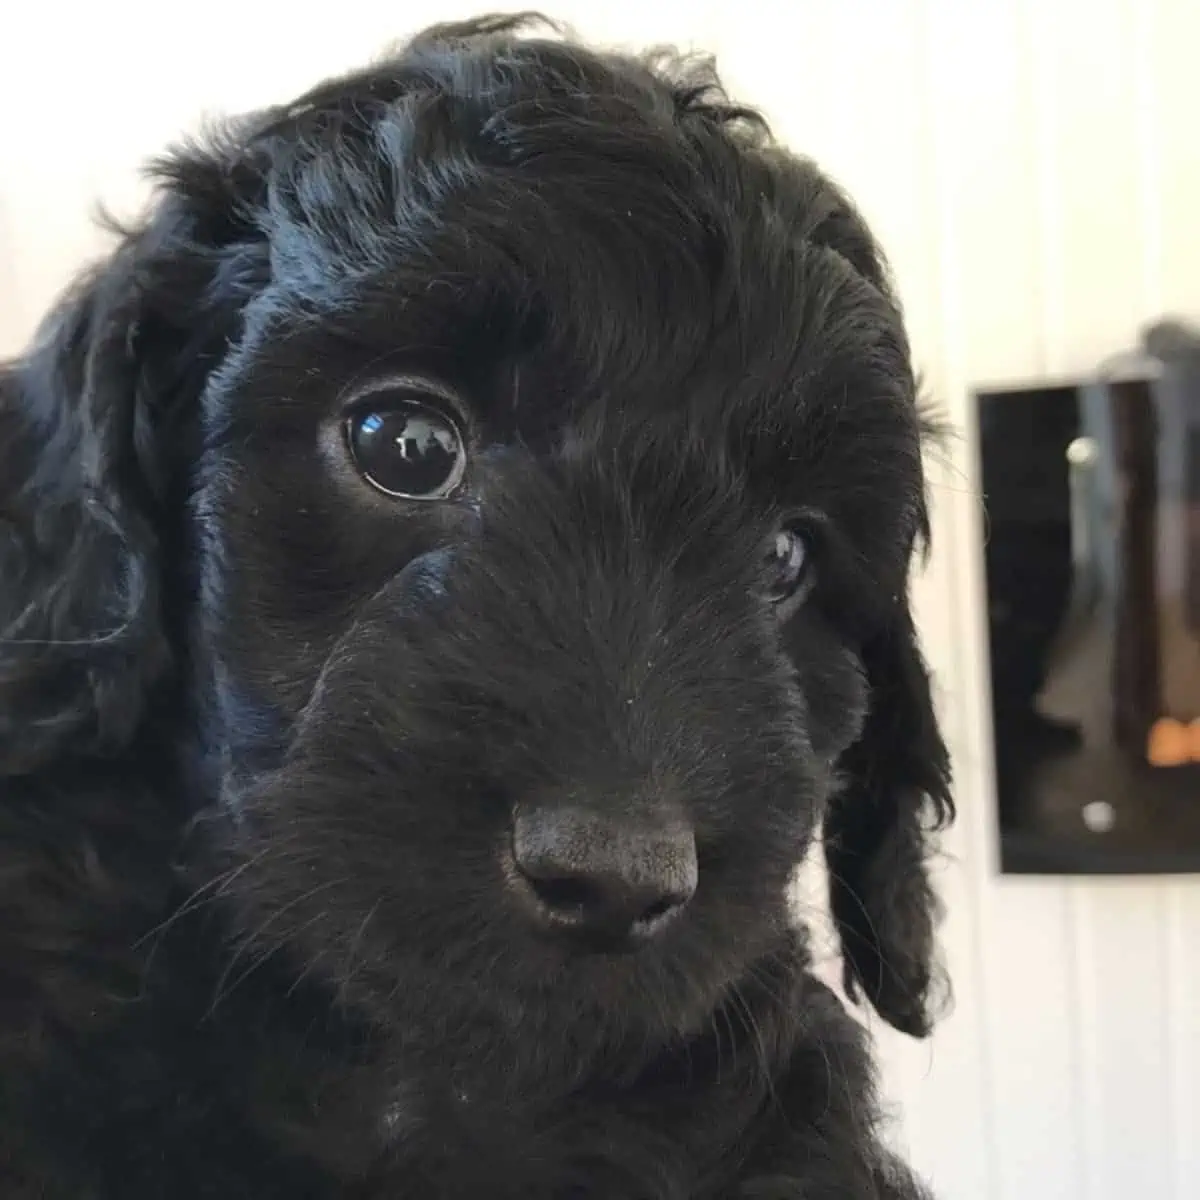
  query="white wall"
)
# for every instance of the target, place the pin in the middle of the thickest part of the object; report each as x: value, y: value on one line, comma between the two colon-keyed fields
x: 1034, y: 168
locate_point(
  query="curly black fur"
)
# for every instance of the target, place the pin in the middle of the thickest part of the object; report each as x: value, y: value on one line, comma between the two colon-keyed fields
x: 262, y: 731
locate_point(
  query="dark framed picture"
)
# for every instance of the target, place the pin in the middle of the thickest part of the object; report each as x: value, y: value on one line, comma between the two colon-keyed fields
x: 1091, y: 496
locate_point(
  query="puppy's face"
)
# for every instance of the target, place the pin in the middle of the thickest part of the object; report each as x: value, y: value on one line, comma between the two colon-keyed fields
x: 538, y: 571
x: 551, y: 515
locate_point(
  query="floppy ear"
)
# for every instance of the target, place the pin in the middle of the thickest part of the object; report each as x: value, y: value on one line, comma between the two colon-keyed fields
x: 897, y: 792
x: 94, y: 425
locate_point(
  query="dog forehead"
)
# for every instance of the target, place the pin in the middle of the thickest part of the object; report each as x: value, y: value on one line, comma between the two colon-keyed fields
x: 649, y: 260
x: 552, y: 172
x: 656, y: 295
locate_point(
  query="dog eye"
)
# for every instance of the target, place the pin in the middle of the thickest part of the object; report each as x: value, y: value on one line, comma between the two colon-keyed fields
x: 788, y: 563
x: 406, y: 448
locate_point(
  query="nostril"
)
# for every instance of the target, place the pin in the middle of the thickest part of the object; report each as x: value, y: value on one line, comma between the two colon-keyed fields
x: 566, y: 897
x: 660, y: 909
x: 580, y: 900
x: 603, y: 906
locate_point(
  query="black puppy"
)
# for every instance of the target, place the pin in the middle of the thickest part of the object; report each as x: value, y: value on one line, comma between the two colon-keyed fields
x: 453, y: 561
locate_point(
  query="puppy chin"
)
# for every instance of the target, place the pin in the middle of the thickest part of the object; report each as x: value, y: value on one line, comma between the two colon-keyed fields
x: 542, y: 1036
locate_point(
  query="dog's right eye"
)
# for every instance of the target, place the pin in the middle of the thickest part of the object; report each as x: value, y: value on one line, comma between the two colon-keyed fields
x: 404, y: 445
x: 789, y: 566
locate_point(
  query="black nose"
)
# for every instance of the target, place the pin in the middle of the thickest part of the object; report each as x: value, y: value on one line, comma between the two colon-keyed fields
x: 608, y: 878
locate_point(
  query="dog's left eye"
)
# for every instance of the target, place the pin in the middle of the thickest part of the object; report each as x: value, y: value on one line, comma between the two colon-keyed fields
x: 789, y: 565
x: 406, y: 448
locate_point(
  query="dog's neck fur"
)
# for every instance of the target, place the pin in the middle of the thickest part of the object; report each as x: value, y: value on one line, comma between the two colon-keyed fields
x: 293, y: 1096
x: 682, y: 1121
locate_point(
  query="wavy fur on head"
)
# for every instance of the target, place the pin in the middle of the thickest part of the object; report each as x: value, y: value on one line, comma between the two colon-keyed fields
x: 265, y: 731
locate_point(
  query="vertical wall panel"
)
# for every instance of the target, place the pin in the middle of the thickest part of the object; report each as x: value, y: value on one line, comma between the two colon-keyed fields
x: 1170, y: 39
x: 1128, y: 1067
x: 984, y: 129
x: 1094, y: 289
x: 1181, y: 1029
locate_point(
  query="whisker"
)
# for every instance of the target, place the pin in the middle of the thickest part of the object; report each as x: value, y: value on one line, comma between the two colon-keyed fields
x: 198, y: 898
x: 355, y: 943
x: 252, y: 938
x: 223, y: 993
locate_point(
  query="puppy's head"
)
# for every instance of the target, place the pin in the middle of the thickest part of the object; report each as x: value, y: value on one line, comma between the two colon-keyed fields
x: 514, y: 456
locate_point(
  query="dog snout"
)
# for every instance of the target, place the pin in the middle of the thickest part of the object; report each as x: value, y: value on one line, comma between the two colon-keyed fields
x: 610, y: 881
